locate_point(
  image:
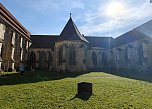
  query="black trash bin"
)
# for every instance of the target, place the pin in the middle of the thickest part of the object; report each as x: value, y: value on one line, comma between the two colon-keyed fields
x: 84, y: 88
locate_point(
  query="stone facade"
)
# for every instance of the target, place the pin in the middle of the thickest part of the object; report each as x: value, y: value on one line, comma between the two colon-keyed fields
x: 71, y: 50
x: 74, y: 52
x: 135, y: 55
x: 11, y: 47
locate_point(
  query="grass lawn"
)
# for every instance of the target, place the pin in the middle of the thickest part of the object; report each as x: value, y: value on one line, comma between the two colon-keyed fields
x: 42, y: 90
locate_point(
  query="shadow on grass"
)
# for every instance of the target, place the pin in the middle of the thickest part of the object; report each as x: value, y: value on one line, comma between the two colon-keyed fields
x: 37, y: 76
x: 144, y: 76
x: 84, y: 97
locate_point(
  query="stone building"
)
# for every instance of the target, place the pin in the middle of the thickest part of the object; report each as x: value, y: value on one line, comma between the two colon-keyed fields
x: 74, y: 52
x: 71, y: 50
x: 14, y: 41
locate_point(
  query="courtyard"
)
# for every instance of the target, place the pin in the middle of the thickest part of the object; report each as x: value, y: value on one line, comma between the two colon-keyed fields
x: 54, y: 90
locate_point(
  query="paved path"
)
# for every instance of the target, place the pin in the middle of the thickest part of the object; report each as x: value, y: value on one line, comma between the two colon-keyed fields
x: 97, y: 77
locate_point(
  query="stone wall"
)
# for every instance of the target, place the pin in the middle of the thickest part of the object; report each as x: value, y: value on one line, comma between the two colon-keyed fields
x: 43, y: 58
x: 134, y: 56
x: 80, y: 55
x: 10, y: 48
x: 2, y: 31
x: 101, y: 61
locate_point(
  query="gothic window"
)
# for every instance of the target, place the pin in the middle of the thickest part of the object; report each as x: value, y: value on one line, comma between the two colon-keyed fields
x: 42, y: 60
x: 118, y: 54
x: 100, y: 55
x: 94, y: 58
x: 104, y: 59
x: 111, y: 56
x: 38, y: 56
x: 60, y: 55
x: 126, y: 54
x: 140, y: 54
x: 72, y: 56
x: 32, y: 59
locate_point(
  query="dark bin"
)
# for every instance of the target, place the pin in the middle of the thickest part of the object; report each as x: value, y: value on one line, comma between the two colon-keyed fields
x: 84, y: 88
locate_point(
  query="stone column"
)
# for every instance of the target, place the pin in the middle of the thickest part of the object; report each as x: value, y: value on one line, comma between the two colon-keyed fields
x: 8, y: 53
x: 2, y: 31
x: 17, y: 51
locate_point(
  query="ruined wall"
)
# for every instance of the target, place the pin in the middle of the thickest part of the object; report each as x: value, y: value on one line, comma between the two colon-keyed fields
x: 100, y: 61
x: 43, y: 58
x: 2, y: 31
x: 10, y: 48
x: 134, y: 56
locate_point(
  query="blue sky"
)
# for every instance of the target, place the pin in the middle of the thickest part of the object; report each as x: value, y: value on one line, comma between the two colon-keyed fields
x: 92, y: 17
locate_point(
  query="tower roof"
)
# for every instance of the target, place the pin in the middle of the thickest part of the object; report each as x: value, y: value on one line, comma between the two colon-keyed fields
x: 71, y: 32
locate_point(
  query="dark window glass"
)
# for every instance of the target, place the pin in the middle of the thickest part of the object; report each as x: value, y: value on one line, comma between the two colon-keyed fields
x: 104, y: 59
x: 94, y: 58
x: 60, y: 55
x: 140, y: 54
x: 72, y: 56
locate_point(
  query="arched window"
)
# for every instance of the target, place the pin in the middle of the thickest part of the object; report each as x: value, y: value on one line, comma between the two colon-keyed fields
x: 126, y: 55
x: 32, y: 59
x: 72, y: 55
x: 118, y: 52
x: 60, y: 55
x: 100, y: 59
x: 104, y: 59
x: 94, y: 58
x: 42, y: 60
x: 112, y: 56
x: 140, y: 54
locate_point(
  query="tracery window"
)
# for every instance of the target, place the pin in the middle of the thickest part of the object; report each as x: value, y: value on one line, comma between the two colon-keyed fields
x: 60, y: 55
x: 72, y: 55
x: 104, y: 59
x: 140, y: 54
x: 94, y: 58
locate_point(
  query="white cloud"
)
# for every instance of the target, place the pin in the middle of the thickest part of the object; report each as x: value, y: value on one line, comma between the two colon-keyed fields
x: 134, y: 15
x: 51, y: 5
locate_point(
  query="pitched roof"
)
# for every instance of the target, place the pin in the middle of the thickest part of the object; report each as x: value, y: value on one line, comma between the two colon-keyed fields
x: 43, y: 41
x: 7, y: 18
x: 143, y: 31
x: 102, y: 42
x: 71, y: 32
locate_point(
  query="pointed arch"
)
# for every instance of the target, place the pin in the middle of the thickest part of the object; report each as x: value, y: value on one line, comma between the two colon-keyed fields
x: 72, y: 55
x: 42, y: 60
x: 104, y: 59
x: 60, y: 55
x: 32, y: 59
x: 140, y: 54
x: 127, y: 53
x: 94, y: 58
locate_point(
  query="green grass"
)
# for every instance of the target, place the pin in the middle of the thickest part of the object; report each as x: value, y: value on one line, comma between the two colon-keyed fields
x: 50, y: 90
